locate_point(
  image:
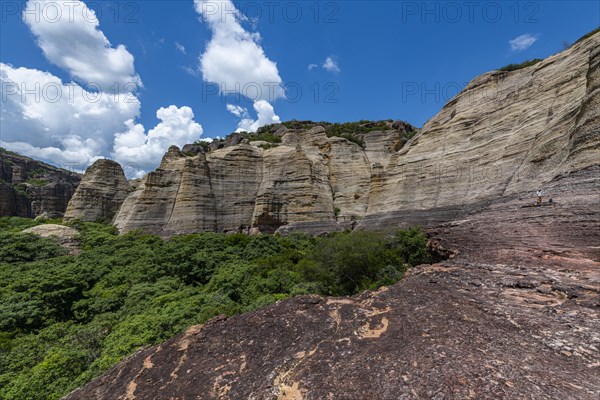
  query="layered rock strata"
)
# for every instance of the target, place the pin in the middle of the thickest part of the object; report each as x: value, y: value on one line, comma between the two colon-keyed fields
x: 505, y: 136
x: 100, y: 193
x: 308, y: 178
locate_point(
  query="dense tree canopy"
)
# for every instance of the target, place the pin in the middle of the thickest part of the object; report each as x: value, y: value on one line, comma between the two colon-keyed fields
x: 64, y: 319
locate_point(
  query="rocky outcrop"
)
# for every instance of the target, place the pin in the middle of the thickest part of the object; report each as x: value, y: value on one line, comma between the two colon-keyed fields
x: 451, y: 330
x: 65, y: 236
x: 503, y: 137
x: 100, y: 193
x: 562, y: 233
x: 217, y: 191
x: 310, y: 180
x: 506, y: 134
x: 30, y: 188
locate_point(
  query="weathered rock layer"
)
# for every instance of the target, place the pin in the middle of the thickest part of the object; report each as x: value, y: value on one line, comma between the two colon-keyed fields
x: 309, y: 178
x: 507, y: 133
x: 100, y: 194
x: 505, y: 136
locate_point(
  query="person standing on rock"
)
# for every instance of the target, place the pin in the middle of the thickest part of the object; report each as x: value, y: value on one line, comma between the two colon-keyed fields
x: 539, y: 197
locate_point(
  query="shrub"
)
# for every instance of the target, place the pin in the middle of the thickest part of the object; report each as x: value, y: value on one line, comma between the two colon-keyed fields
x: 266, y: 137
x: 350, y: 262
x: 35, y: 173
x: 21, y: 189
x: 15, y: 224
x: 202, y: 143
x: 524, y: 64
x: 37, y: 182
x: 22, y: 247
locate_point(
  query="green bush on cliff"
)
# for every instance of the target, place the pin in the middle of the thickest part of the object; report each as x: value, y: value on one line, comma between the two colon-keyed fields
x: 37, y: 182
x: 15, y: 224
x: 266, y: 136
x: 346, y: 130
x: 21, y: 189
x: 65, y: 319
x: 524, y: 64
x: 202, y: 143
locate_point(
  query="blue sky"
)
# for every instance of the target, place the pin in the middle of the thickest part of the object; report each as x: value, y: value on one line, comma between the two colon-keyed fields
x: 370, y: 60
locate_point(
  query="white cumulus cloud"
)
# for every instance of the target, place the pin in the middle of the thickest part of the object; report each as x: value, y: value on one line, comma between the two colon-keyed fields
x: 234, y: 59
x: 73, y: 124
x: 238, y: 111
x: 68, y: 34
x: 42, y: 117
x: 265, y: 116
x: 136, y: 147
x: 331, y: 65
x: 522, y: 42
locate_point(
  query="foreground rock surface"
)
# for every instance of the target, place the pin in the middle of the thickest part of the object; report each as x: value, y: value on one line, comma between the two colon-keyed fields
x: 449, y: 330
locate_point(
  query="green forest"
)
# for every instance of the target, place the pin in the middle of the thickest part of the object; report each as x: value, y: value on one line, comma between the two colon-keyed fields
x: 64, y: 319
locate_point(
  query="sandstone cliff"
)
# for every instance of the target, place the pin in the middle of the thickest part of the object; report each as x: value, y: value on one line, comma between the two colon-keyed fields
x: 30, y: 188
x: 506, y: 133
x: 100, y: 194
x: 309, y: 180
x: 503, y: 137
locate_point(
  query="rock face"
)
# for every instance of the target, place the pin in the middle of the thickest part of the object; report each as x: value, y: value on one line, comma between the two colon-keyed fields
x: 502, y: 138
x: 65, y: 236
x: 310, y: 180
x: 30, y: 188
x: 507, y: 133
x: 563, y: 233
x: 100, y: 193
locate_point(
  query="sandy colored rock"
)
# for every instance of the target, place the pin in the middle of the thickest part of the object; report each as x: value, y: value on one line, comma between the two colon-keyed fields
x: 205, y: 192
x: 506, y: 133
x: 295, y: 185
x: 307, y: 179
x: 65, y: 236
x: 235, y: 177
x: 100, y: 193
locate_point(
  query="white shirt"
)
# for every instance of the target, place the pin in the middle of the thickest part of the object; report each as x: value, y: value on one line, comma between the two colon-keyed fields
x: 539, y: 192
